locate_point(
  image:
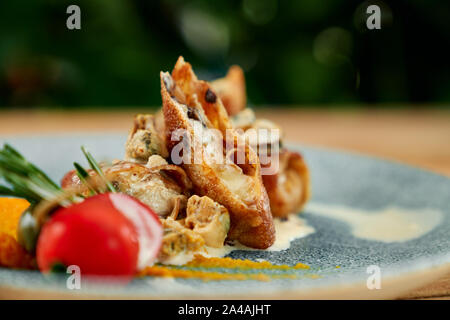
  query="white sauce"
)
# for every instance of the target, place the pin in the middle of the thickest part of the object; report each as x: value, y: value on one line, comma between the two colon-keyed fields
x: 180, y: 259
x: 285, y: 232
x: 391, y: 224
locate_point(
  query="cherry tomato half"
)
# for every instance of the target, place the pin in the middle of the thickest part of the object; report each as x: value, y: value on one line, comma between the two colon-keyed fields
x: 107, y: 234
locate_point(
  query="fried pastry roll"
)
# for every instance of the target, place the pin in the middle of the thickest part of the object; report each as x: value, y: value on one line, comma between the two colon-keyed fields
x: 288, y: 187
x: 192, y: 106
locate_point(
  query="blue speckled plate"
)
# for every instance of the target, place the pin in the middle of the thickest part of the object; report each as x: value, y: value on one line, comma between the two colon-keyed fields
x: 337, y: 178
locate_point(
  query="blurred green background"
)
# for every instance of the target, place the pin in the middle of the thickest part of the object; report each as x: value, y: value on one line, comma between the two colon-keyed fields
x: 303, y: 53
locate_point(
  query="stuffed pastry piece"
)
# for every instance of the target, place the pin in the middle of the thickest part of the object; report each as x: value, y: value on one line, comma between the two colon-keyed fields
x: 192, y: 107
x: 231, y: 90
x: 289, y: 187
x: 146, y: 138
x: 208, y: 219
x: 205, y: 223
x: 198, y: 95
x: 178, y: 240
x: 287, y: 184
x: 159, y: 185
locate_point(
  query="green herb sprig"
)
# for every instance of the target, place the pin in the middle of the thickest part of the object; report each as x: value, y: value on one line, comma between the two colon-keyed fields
x: 84, y: 175
x: 25, y: 179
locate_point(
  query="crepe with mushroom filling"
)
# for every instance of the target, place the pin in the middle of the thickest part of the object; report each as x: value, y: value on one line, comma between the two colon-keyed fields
x: 146, y: 138
x: 192, y: 105
x: 159, y: 185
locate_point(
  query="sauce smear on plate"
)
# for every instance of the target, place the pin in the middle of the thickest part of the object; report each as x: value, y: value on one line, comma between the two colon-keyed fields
x: 390, y: 224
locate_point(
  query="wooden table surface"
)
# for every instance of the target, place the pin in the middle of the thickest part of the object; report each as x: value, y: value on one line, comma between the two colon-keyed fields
x: 417, y: 137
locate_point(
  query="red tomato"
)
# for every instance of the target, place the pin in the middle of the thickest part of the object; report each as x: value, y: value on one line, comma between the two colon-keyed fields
x: 69, y: 179
x: 99, y: 237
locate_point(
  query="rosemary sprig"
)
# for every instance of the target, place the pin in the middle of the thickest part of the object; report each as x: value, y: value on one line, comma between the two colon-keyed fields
x: 84, y: 177
x: 26, y: 180
x: 38, y: 172
x: 95, y: 166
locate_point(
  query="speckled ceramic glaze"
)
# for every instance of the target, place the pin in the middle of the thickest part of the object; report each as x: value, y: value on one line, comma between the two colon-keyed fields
x: 338, y: 178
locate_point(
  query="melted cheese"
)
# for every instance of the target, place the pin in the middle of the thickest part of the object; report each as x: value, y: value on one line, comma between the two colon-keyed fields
x: 235, y: 180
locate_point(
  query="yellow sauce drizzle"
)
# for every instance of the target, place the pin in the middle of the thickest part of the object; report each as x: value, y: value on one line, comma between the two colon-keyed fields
x: 225, y: 263
x: 205, y: 262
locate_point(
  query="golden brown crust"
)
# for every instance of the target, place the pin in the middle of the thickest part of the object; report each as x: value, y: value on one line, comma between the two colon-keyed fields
x: 231, y: 90
x: 251, y: 219
x: 289, y: 188
x: 199, y: 91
